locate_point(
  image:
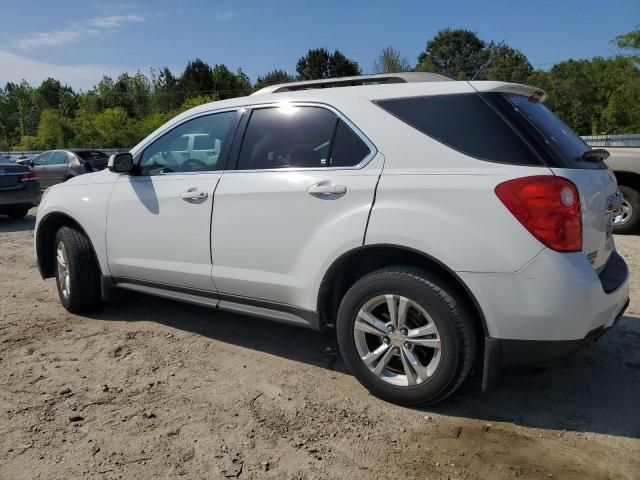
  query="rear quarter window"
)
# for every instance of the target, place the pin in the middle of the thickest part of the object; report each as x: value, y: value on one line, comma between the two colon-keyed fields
x: 464, y: 122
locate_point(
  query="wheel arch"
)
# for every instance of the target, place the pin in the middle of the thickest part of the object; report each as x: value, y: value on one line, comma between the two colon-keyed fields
x: 45, y: 238
x: 629, y: 179
x: 360, y: 261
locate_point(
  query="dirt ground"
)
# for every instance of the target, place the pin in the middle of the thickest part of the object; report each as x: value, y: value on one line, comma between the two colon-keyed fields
x: 152, y: 389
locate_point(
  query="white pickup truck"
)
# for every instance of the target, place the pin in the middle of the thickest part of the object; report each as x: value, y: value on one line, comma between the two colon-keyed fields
x: 625, y: 163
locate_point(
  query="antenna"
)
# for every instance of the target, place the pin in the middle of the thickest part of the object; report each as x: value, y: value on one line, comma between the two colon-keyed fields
x: 489, y: 60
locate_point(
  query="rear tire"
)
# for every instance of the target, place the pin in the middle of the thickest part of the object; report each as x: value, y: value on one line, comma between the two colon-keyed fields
x: 17, y: 212
x: 631, y: 216
x: 77, y: 272
x: 429, y: 349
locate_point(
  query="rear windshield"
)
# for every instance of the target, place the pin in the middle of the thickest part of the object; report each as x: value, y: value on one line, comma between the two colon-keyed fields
x: 495, y: 127
x: 560, y: 139
x: 91, y: 155
x: 5, y: 161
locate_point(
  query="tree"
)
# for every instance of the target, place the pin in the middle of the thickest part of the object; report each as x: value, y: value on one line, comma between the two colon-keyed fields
x: 197, y: 79
x: 390, y: 60
x: 507, y: 64
x: 166, y: 92
x: 457, y: 53
x: 273, y: 78
x: 53, y: 130
x: 227, y: 84
x: 111, y: 128
x: 629, y: 41
x: 341, y: 66
x: 318, y: 63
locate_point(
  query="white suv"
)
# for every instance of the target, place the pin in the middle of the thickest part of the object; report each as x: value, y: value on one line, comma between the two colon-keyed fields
x: 433, y: 223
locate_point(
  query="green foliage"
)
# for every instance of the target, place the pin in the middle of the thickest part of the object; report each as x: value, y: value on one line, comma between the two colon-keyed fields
x: 53, y: 130
x: 600, y: 95
x: 629, y: 41
x: 273, y: 78
x: 390, y: 61
x: 457, y: 53
x: 318, y: 63
x: 593, y: 96
x: 506, y: 64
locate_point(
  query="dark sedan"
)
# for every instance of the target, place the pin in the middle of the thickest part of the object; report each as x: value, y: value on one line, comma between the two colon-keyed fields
x: 19, y: 189
x: 56, y: 166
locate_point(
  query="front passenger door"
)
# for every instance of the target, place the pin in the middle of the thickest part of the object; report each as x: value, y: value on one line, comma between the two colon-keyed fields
x: 159, y: 221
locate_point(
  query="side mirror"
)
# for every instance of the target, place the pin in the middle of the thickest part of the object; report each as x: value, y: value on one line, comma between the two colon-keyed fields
x: 121, y: 163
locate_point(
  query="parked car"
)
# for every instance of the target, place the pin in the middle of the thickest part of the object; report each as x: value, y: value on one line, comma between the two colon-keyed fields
x: 56, y: 166
x: 19, y: 189
x: 427, y: 220
x: 625, y: 163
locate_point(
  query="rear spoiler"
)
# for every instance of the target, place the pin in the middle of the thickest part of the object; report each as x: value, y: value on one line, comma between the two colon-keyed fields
x: 516, y: 88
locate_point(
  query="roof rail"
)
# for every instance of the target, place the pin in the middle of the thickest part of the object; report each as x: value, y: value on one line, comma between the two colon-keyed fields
x: 382, y: 78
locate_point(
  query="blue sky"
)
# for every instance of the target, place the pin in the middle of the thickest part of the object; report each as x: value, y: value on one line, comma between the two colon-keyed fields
x: 80, y: 40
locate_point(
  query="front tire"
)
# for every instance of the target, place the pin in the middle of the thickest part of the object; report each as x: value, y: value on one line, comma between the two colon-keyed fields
x: 406, y: 335
x: 77, y: 272
x: 629, y: 221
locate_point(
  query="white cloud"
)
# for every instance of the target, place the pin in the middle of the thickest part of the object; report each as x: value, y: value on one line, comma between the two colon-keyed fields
x: 14, y: 68
x: 94, y: 27
x: 113, y: 22
x: 55, y: 38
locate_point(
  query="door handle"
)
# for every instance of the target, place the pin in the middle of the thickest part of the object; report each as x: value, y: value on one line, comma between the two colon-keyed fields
x: 326, y: 188
x: 193, y: 194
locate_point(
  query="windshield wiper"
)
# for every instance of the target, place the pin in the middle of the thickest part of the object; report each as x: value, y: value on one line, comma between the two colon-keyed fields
x: 595, y: 154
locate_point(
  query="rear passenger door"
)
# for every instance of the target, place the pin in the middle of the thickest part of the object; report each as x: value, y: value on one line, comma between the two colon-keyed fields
x: 40, y: 164
x: 301, y: 190
x: 57, y: 168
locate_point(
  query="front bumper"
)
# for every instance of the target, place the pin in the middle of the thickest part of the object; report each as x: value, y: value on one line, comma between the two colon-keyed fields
x: 29, y: 196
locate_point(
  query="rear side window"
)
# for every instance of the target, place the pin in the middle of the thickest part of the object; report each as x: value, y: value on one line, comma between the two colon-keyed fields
x: 299, y: 137
x: 466, y: 123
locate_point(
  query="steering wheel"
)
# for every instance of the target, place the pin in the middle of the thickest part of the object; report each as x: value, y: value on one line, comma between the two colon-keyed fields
x: 193, y: 165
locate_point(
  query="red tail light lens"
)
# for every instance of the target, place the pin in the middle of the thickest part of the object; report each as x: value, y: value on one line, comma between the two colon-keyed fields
x: 29, y: 176
x: 548, y: 206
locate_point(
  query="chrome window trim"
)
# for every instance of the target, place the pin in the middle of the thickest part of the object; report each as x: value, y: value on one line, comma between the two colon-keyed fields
x: 373, y: 151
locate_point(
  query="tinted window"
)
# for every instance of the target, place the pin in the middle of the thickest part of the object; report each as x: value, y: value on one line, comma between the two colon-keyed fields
x: 290, y: 136
x: 348, y: 149
x: 566, y: 145
x: 5, y: 161
x: 58, y: 158
x: 90, y: 154
x: 466, y: 123
x: 173, y: 153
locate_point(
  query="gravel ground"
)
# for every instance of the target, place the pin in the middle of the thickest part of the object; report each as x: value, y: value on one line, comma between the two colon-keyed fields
x: 149, y: 388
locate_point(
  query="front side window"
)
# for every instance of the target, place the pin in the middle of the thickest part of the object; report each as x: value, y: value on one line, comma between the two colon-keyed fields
x: 183, y: 149
x: 42, y: 159
x: 298, y: 137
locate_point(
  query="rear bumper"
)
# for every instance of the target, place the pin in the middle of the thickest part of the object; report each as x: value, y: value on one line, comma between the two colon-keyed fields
x: 27, y: 196
x: 501, y: 353
x: 554, y: 306
x: 556, y: 296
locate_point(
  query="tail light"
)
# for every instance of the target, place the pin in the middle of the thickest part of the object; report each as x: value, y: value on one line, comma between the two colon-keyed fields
x: 547, y: 206
x: 29, y: 176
